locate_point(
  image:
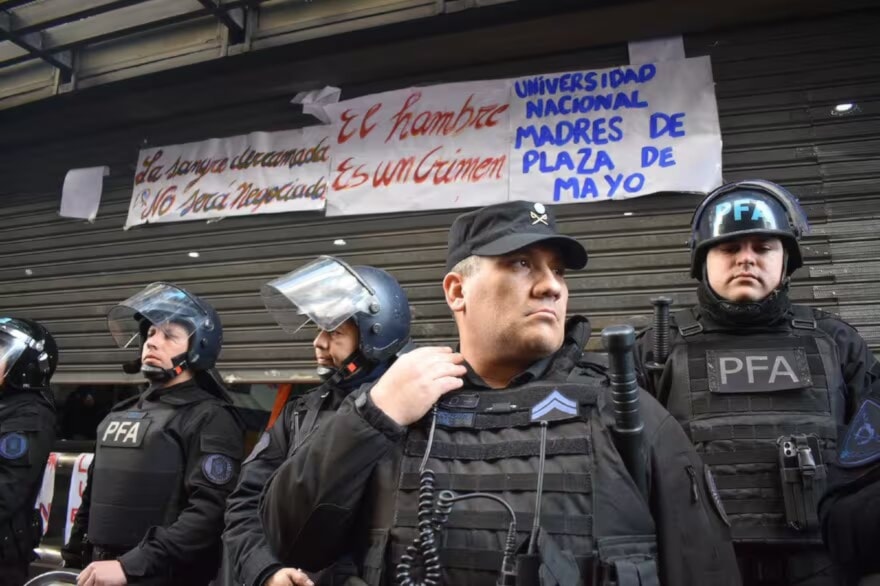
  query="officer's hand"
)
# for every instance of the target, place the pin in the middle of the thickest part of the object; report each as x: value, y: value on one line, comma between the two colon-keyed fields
x: 288, y: 577
x: 416, y: 381
x: 102, y: 574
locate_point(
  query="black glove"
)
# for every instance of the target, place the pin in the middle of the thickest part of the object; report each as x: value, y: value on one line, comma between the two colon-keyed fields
x: 76, y: 552
x: 850, y: 515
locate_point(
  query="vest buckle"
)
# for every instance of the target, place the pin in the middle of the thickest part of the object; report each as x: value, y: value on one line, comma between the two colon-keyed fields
x: 803, y: 324
x: 691, y: 329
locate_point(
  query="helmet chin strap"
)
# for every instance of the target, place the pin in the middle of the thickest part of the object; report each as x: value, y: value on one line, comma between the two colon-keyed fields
x: 355, y: 363
x: 157, y: 374
x: 325, y: 373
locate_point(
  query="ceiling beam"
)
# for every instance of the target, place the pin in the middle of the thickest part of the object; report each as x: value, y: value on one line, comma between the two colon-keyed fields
x: 33, y: 43
x: 226, y: 16
x: 74, y: 16
x: 61, y: 54
x: 10, y: 4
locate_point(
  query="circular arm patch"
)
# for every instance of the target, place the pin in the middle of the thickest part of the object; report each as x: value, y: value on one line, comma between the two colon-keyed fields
x: 13, y: 445
x: 218, y: 468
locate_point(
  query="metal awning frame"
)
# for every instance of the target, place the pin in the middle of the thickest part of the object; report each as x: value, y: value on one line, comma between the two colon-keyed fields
x: 31, y: 36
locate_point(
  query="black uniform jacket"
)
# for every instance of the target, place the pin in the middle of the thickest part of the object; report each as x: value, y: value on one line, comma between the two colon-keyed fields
x: 245, y: 541
x: 189, y: 546
x: 27, y: 431
x: 313, y: 508
x: 850, y: 510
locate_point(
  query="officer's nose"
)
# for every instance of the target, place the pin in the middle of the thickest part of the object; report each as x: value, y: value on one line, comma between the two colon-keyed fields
x: 322, y: 340
x: 549, y: 283
x: 746, y: 255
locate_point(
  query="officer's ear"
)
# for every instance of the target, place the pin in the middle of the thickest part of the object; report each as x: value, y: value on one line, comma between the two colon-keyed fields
x: 453, y: 288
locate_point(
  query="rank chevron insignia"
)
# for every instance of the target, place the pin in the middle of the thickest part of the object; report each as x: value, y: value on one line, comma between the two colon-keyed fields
x: 555, y: 401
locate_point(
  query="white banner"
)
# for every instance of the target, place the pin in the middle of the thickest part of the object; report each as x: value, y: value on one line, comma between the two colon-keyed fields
x: 47, y: 490
x: 444, y: 146
x: 615, y: 133
x: 257, y: 173
x: 78, y: 480
x: 579, y: 136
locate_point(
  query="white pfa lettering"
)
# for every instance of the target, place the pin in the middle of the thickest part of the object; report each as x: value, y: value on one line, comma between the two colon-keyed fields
x: 128, y: 431
x: 132, y: 433
x: 114, y: 425
x: 782, y: 368
x: 751, y: 367
x: 737, y: 365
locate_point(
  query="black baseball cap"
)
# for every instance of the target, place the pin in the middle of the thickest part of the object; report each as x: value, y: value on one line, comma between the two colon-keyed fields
x: 505, y: 227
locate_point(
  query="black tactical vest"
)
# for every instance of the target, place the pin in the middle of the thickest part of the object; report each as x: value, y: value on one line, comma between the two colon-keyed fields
x: 489, y: 441
x: 754, y: 405
x: 137, y: 477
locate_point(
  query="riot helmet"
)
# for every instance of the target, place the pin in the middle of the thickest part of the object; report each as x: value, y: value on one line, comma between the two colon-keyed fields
x: 753, y: 207
x: 327, y: 292
x: 28, y: 354
x: 163, y: 303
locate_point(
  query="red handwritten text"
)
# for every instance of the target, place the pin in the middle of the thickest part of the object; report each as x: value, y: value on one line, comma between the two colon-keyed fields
x: 434, y: 168
x: 407, y: 122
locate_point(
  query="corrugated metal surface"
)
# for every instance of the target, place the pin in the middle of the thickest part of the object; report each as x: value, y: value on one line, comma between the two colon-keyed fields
x: 776, y: 87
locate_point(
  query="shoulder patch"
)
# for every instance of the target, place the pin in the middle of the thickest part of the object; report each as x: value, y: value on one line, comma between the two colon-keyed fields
x: 862, y: 443
x: 13, y: 446
x: 218, y: 468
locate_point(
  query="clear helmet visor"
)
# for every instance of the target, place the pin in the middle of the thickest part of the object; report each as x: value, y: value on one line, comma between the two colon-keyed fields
x: 326, y: 291
x: 13, y: 343
x: 159, y: 304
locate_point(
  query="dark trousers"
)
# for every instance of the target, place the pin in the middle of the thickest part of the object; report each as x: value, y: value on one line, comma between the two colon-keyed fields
x: 13, y: 574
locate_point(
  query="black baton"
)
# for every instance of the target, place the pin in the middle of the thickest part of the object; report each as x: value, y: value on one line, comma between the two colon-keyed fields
x: 628, y: 425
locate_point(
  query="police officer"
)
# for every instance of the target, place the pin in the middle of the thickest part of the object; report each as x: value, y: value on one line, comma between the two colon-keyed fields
x: 759, y: 384
x: 355, y: 344
x: 28, y: 357
x: 850, y: 509
x: 519, y: 417
x: 166, y: 460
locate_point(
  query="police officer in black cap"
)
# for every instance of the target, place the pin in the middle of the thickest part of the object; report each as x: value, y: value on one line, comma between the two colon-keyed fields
x: 166, y: 460
x: 28, y: 357
x: 762, y: 386
x: 516, y: 414
x: 355, y: 344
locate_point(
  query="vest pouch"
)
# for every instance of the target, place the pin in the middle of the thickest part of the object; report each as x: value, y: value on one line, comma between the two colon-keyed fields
x: 803, y: 475
x: 550, y: 566
x: 527, y: 569
x: 374, y: 558
x: 628, y: 561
